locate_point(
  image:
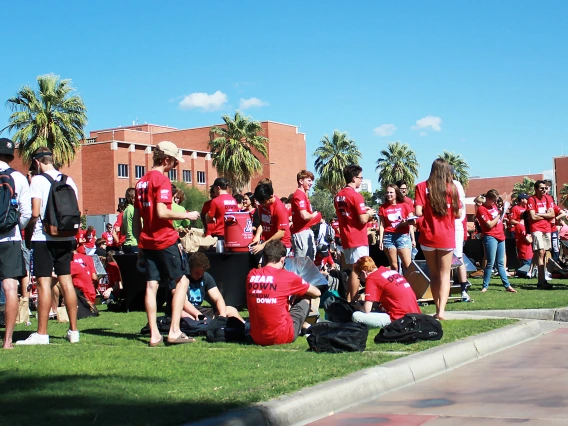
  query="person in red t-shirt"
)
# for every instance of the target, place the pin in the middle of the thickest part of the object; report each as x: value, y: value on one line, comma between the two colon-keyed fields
x: 118, y: 238
x: 403, y: 186
x: 208, y: 227
x: 523, y: 242
x: 273, y: 321
x: 437, y: 200
x: 221, y: 204
x: 107, y: 235
x: 490, y: 219
x: 80, y: 238
x: 353, y: 216
x: 165, y: 259
x: 303, y: 218
x: 386, y: 287
x: 90, y: 238
x: 517, y: 210
x: 394, y: 229
x: 84, y: 275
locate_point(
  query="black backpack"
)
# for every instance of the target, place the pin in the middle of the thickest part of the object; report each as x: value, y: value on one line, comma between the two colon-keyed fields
x: 329, y: 236
x: 223, y: 329
x: 9, y: 212
x: 337, y: 309
x: 62, y: 215
x: 333, y: 337
x: 411, y: 328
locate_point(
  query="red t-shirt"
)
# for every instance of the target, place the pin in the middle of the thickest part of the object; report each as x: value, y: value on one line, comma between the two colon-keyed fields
x: 224, y: 203
x: 485, y: 215
x: 524, y: 248
x: 273, y: 219
x: 540, y: 205
x: 393, y: 292
x: 113, y: 273
x: 300, y: 201
x: 91, y: 239
x: 208, y: 226
x: 268, y: 290
x: 410, y: 202
x: 391, y: 215
x: 557, y: 211
x: 108, y: 237
x: 156, y: 233
x: 117, y: 226
x: 320, y: 261
x: 516, y: 213
x: 435, y: 231
x: 82, y: 270
x: 349, y: 204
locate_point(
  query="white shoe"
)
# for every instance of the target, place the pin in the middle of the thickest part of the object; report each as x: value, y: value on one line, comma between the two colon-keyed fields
x: 547, y: 275
x: 35, y: 339
x: 465, y: 296
x: 72, y: 336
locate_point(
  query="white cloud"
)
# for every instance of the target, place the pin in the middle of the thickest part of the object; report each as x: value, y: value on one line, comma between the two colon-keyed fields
x: 423, y: 133
x: 429, y: 122
x: 252, y: 103
x: 548, y: 174
x: 204, y: 101
x: 384, y: 130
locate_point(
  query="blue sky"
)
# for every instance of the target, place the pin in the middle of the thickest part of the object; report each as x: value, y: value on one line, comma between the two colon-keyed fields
x: 485, y: 79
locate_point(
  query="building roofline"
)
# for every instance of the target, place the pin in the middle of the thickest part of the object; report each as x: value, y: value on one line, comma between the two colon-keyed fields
x: 509, y: 176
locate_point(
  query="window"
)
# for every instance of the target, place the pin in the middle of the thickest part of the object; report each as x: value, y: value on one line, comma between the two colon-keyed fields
x: 201, y: 177
x: 123, y: 170
x: 140, y: 171
x: 173, y: 174
x: 186, y: 176
x: 121, y: 200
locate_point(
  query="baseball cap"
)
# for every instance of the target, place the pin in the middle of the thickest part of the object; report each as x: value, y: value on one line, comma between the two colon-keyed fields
x: 170, y: 148
x: 6, y: 146
x: 522, y: 197
x: 221, y: 182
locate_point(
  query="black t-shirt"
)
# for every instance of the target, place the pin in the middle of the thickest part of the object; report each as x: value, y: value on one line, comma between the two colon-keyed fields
x: 198, y: 290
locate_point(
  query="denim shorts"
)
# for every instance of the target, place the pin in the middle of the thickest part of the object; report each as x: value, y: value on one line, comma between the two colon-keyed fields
x: 396, y: 241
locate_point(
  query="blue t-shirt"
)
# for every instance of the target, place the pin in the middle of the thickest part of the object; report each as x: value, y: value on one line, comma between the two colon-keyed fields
x: 198, y: 290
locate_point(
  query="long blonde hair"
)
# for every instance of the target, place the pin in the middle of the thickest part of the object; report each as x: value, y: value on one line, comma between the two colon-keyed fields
x: 439, y: 184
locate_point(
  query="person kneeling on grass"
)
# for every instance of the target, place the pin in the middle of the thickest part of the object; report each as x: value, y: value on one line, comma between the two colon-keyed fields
x: 386, y: 287
x: 202, y: 287
x: 275, y: 317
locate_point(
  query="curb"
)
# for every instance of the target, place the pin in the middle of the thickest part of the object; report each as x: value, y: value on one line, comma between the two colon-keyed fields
x: 324, y: 399
x: 557, y: 314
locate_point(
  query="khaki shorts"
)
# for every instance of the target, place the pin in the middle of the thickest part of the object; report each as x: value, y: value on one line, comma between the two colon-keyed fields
x: 541, y: 241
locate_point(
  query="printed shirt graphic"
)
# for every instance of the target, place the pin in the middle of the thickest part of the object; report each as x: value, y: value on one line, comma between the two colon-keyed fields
x: 392, y: 214
x: 540, y: 205
x: 273, y: 219
x: 268, y: 290
x: 437, y: 232
x: 198, y: 291
x: 300, y: 201
x: 349, y: 204
x: 392, y: 291
x: 108, y: 237
x: 485, y: 215
x: 156, y: 234
x: 224, y: 203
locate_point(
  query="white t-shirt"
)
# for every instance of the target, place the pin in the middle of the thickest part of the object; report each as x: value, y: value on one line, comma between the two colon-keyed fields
x: 461, y: 194
x: 40, y: 188
x: 24, y: 204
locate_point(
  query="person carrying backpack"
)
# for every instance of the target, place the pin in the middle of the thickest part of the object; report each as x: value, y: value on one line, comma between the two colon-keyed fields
x: 15, y: 212
x: 54, y: 222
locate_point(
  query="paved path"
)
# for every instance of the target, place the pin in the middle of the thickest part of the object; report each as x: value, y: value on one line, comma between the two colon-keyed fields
x: 526, y: 384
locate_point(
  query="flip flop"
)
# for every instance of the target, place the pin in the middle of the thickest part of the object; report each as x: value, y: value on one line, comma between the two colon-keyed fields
x: 158, y: 343
x: 180, y: 340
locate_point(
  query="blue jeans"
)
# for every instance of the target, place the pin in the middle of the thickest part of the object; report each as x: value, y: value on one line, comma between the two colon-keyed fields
x: 495, y: 251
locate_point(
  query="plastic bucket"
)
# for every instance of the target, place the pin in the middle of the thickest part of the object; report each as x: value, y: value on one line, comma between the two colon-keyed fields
x: 238, y: 231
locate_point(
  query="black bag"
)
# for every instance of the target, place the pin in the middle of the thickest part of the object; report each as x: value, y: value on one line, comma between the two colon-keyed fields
x: 337, y: 309
x: 223, y: 329
x: 85, y: 308
x: 329, y: 236
x: 193, y: 327
x: 9, y: 212
x: 62, y: 215
x: 411, y: 328
x: 334, y: 337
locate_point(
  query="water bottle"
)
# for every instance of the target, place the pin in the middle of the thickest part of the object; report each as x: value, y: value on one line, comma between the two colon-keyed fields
x: 13, y: 202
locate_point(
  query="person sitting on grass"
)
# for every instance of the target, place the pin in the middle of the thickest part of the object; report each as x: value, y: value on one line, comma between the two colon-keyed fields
x: 275, y: 317
x: 202, y: 287
x: 523, y: 240
x: 386, y: 287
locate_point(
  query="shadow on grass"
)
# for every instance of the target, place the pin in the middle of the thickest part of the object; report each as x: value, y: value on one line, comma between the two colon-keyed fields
x: 555, y: 287
x: 76, y: 400
x: 106, y: 332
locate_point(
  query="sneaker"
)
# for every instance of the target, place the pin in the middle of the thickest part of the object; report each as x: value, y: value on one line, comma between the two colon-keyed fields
x: 547, y: 275
x: 534, y: 273
x: 465, y: 296
x: 35, y: 339
x: 72, y: 336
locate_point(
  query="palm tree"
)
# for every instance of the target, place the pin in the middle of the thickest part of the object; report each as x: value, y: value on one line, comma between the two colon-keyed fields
x: 332, y: 156
x: 460, y: 166
x: 564, y: 193
x: 524, y: 187
x: 49, y: 117
x: 397, y: 162
x: 233, y: 151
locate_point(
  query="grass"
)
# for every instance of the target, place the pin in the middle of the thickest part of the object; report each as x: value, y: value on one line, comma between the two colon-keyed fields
x: 112, y: 377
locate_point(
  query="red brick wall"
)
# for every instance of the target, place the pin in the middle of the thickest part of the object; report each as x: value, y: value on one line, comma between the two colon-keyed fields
x: 503, y: 184
x: 561, y: 174
x: 99, y: 176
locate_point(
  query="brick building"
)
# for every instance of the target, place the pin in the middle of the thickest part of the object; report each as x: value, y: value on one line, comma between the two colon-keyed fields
x: 112, y: 160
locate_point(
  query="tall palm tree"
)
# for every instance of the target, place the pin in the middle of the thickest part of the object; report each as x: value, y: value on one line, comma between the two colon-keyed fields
x: 49, y: 117
x: 332, y: 156
x: 233, y: 150
x: 524, y: 187
x: 397, y: 162
x: 460, y: 166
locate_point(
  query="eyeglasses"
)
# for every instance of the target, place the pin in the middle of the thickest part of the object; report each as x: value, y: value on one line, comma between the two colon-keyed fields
x: 542, y: 188
x: 403, y: 188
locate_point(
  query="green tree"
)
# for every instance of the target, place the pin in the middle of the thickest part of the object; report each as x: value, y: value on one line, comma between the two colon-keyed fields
x: 49, y: 117
x: 564, y: 195
x: 194, y: 199
x: 322, y: 201
x: 368, y: 197
x: 332, y: 156
x: 524, y: 187
x: 397, y: 162
x: 233, y: 150
x: 460, y: 166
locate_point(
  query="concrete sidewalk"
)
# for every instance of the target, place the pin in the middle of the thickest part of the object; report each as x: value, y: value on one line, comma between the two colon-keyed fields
x: 525, y: 384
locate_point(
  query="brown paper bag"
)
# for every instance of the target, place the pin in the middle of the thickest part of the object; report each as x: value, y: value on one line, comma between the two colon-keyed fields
x: 23, y: 311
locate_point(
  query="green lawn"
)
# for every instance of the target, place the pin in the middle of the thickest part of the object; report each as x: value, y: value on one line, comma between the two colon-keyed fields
x: 112, y: 377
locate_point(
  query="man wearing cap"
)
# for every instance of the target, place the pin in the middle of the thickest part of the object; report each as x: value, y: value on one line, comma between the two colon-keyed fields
x: 221, y: 204
x: 50, y: 254
x: 12, y: 266
x: 517, y: 211
x: 165, y: 260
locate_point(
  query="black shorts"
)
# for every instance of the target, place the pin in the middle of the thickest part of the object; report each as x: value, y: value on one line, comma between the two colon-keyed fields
x: 167, y: 265
x: 49, y: 256
x: 207, y: 312
x: 12, y: 260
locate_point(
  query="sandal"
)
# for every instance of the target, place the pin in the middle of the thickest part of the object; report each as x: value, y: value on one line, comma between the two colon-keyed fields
x: 180, y: 340
x: 158, y: 343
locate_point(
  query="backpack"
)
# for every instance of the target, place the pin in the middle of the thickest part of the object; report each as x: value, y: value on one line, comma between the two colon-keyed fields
x: 336, y: 308
x: 223, y: 329
x: 62, y: 215
x: 334, y: 337
x: 329, y: 236
x: 189, y: 326
x: 9, y: 212
x: 411, y: 328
